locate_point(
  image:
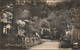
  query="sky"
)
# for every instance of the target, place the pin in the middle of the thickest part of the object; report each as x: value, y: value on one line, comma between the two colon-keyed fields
x: 57, y: 0
x: 54, y: 2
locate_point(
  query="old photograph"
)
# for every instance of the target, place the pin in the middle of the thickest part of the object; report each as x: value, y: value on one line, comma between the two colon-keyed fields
x: 39, y: 24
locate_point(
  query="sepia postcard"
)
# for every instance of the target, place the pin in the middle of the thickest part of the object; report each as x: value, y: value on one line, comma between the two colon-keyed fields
x: 39, y: 24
